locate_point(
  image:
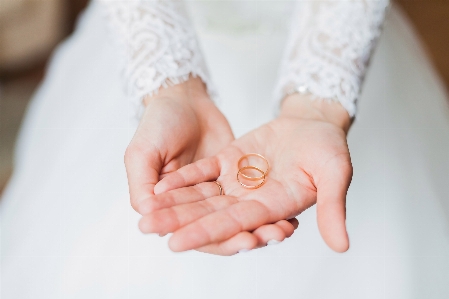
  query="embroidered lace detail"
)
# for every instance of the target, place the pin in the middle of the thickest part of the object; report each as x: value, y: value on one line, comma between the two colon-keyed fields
x: 329, y: 49
x: 160, y: 44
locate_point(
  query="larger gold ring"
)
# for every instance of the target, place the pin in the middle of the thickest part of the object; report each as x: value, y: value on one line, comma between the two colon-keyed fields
x: 249, y: 186
x: 263, y: 172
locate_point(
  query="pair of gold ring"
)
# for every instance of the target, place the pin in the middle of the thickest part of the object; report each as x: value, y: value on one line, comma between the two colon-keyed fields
x: 262, y: 177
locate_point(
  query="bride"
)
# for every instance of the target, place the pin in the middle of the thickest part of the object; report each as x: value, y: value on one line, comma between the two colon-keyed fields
x: 133, y: 79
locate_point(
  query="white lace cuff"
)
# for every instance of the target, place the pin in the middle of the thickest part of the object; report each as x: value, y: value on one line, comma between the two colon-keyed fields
x: 160, y: 43
x: 329, y: 49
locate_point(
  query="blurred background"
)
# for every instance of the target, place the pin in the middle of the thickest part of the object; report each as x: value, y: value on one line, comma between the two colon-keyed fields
x: 30, y: 29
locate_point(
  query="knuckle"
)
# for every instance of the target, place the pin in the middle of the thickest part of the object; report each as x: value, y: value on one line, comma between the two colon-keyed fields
x: 343, y: 164
x: 129, y: 153
x: 346, y: 168
x: 134, y: 204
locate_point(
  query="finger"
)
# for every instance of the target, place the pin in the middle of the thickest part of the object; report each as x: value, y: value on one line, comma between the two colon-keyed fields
x: 219, y: 226
x: 287, y: 226
x: 179, y: 196
x: 243, y: 241
x: 270, y: 234
x: 168, y: 220
x: 332, y: 187
x: 200, y: 171
x: 142, y: 168
x: 294, y: 222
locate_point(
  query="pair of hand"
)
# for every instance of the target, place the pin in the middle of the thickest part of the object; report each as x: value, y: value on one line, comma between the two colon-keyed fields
x: 184, y: 143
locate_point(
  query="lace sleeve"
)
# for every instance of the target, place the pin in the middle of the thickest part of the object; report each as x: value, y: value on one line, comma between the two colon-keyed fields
x: 159, y: 43
x: 329, y: 49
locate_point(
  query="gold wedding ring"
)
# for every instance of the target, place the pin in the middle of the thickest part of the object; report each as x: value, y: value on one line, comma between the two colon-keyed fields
x: 219, y: 187
x: 263, y: 177
x: 264, y: 173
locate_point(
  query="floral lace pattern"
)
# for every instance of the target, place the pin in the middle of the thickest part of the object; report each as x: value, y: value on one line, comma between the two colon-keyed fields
x: 160, y: 44
x: 329, y: 49
x: 327, y: 55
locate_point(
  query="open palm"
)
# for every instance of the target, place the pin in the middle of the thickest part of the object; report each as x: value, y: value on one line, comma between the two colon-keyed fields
x: 310, y: 162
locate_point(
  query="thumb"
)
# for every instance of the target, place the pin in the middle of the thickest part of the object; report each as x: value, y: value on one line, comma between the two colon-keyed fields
x: 142, y: 168
x: 332, y: 186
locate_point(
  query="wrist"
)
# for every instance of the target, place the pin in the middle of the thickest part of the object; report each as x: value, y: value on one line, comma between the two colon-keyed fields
x: 190, y: 95
x: 304, y: 107
x: 191, y: 91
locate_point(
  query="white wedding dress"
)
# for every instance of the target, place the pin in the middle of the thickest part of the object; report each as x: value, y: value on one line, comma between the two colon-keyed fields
x: 67, y: 228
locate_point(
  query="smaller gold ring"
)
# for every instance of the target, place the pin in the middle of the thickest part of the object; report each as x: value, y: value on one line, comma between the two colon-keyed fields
x: 219, y: 187
x: 263, y: 177
x: 264, y: 172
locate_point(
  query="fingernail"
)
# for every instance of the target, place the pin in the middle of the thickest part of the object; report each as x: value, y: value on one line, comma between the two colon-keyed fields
x: 244, y: 250
x: 273, y: 242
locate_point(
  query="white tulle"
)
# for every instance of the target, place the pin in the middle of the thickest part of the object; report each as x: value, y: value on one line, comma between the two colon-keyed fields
x: 329, y: 49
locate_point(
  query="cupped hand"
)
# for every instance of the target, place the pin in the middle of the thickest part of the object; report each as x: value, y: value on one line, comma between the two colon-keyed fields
x: 310, y: 164
x: 180, y: 125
